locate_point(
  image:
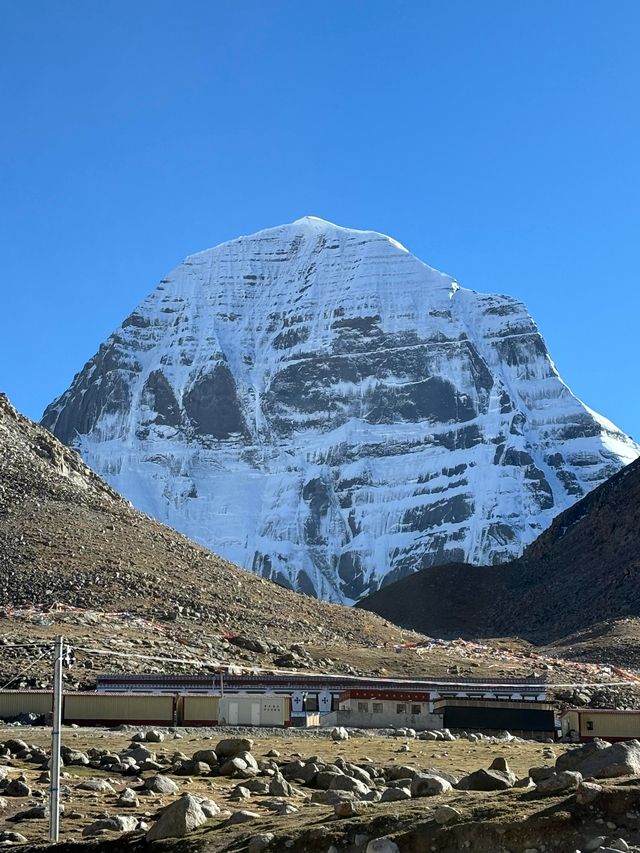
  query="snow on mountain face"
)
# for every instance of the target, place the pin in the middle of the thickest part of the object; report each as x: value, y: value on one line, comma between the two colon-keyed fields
x: 318, y: 405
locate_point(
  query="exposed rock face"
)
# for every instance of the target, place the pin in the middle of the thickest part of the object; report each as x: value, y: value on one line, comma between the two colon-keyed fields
x: 318, y: 405
x: 580, y: 572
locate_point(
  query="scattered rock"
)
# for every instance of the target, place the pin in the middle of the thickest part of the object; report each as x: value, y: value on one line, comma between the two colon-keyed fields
x: 242, y: 816
x: 154, y: 736
x: 118, y: 823
x: 487, y: 780
x: 382, y: 845
x: 602, y: 760
x: 391, y: 795
x: 587, y: 792
x: 178, y: 819
x: 206, y: 756
x: 258, y: 843
x: 12, y: 837
x: 446, y: 814
x: 350, y: 809
x: 161, y: 785
x: 567, y: 780
x: 339, y: 733
x: 128, y: 799
x: 229, y: 747
x: 428, y: 785
x: 17, y: 788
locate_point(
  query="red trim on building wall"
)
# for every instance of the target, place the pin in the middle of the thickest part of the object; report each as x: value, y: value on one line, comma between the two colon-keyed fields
x: 389, y: 695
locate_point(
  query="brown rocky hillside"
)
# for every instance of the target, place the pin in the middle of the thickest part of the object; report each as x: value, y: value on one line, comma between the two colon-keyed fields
x: 66, y: 538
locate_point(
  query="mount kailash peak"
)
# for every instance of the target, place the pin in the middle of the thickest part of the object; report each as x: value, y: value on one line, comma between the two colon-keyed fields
x: 318, y: 405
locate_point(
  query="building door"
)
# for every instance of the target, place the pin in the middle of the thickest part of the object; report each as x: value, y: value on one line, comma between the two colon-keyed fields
x: 233, y: 713
x: 255, y: 713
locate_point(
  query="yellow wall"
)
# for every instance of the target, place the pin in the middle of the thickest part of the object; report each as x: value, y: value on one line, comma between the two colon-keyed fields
x: 109, y: 706
x: 13, y: 703
x: 614, y: 724
x: 198, y: 709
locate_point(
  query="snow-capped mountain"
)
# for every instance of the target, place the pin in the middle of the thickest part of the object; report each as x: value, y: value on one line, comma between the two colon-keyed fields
x: 320, y: 406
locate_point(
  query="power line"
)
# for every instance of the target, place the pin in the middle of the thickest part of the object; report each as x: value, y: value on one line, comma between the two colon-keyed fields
x: 25, y: 670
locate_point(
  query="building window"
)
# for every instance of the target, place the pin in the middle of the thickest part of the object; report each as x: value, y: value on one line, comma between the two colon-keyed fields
x: 416, y: 709
x: 589, y: 725
x: 401, y: 708
x: 377, y: 707
x: 363, y: 707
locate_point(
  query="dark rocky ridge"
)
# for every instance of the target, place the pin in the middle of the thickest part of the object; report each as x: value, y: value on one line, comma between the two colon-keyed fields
x: 584, y: 570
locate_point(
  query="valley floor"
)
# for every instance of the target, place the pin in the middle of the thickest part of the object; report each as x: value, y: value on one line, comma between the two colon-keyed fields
x: 514, y: 820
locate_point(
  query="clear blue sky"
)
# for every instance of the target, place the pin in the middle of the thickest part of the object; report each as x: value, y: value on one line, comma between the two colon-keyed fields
x: 498, y: 140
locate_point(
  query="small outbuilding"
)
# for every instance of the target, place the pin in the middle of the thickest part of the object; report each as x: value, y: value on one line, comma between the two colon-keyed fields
x: 240, y: 709
x: 526, y: 717
x: 584, y: 724
x: 375, y: 709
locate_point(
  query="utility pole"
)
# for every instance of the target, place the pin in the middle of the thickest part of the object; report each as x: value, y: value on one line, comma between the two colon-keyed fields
x: 54, y: 785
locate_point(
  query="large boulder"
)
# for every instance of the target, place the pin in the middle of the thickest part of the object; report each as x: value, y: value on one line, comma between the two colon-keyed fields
x: 248, y: 759
x: 537, y: 774
x: 348, y: 783
x: 324, y: 778
x: 178, y: 819
x: 358, y: 773
x: 161, y: 785
x: 401, y: 771
x: 279, y: 787
x: 392, y: 795
x: 428, y: 785
x: 294, y: 769
x: 566, y: 780
x: 128, y: 799
x: 233, y: 767
x: 231, y: 746
x: 573, y: 758
x: 607, y: 760
x: 446, y: 814
x: 73, y: 757
x: 154, y: 736
x: 382, y: 845
x: 209, y: 808
x: 487, y: 780
x: 330, y: 798
x: 350, y: 809
x: 98, y: 786
x: 242, y: 816
x: 339, y: 733
x: 206, y: 756
x: 117, y: 823
x: 139, y: 754
x: 17, y: 788
x: 444, y: 774
x: 15, y: 746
